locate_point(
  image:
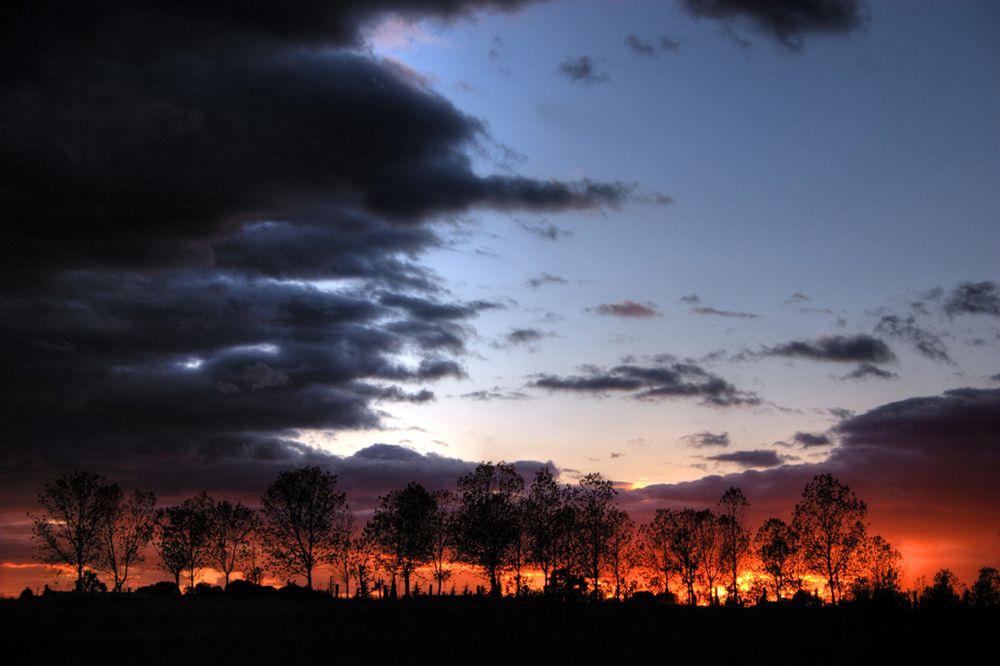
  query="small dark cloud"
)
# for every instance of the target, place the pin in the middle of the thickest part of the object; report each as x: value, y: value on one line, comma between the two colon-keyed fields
x: 626, y: 309
x: 668, y: 43
x: 549, y: 232
x: 496, y: 393
x: 973, y: 298
x: 797, y: 298
x: 691, y: 299
x: 582, y: 69
x: 615, y: 454
x: 677, y: 380
x: 907, y: 330
x: 397, y: 394
x: 808, y: 439
x: 840, y: 413
x: 544, y: 279
x: 869, y: 371
x: 707, y: 439
x: 747, y: 459
x: 639, y: 46
x: 427, y: 310
x: 724, y: 313
x: 835, y: 348
x: 787, y: 21
x: 521, y: 337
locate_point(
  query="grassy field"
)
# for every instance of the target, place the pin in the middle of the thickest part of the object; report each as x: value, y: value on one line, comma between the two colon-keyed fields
x: 473, y: 631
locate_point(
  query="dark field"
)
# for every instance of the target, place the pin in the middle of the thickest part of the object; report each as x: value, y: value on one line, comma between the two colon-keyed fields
x: 475, y: 631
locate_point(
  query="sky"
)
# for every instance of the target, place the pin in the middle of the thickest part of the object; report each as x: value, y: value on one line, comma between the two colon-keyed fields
x: 688, y: 245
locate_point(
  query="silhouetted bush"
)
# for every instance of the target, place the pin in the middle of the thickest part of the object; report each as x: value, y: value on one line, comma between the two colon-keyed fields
x: 162, y: 589
x: 242, y: 588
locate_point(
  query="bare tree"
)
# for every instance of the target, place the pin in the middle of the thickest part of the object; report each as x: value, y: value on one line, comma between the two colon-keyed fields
x: 126, y: 529
x: 302, y: 511
x: 733, y: 509
x: 830, y: 525
x: 621, y: 554
x: 684, y: 544
x: 232, y: 525
x: 877, y: 572
x: 710, y: 551
x: 183, y: 537
x: 442, y: 526
x: 486, y: 523
x: 346, y: 550
x: 777, y: 550
x: 74, y: 508
x: 655, y: 537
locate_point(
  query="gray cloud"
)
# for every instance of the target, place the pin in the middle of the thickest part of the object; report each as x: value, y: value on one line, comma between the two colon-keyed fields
x: 869, y: 371
x: 544, y: 279
x: 724, y: 313
x: 808, y: 439
x: 708, y: 439
x: 677, y: 380
x: 973, y: 298
x: 626, y: 309
x: 835, y: 348
x: 746, y: 459
x: 582, y: 69
x: 906, y: 329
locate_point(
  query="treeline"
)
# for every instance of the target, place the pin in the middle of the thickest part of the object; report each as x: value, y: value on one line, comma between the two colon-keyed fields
x: 583, y: 545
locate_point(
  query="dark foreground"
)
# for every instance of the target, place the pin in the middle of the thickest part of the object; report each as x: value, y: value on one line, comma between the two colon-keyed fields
x: 476, y: 631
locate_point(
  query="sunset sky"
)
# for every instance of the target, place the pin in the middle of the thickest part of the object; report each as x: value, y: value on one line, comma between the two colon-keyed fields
x: 686, y: 244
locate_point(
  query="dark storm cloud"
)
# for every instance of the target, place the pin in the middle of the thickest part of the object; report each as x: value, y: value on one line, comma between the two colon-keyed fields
x: 582, y: 69
x: 196, y: 125
x: 808, y: 439
x: 626, y: 309
x: 335, y: 244
x: 835, y: 348
x: 708, y: 439
x: 973, y: 298
x: 907, y: 330
x: 677, y: 380
x: 788, y: 21
x: 869, y: 371
x: 427, y: 310
x: 545, y: 278
x: 745, y: 459
x: 397, y: 394
x: 724, y: 313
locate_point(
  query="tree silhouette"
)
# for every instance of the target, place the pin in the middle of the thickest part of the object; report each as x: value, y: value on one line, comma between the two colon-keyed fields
x: 486, y: 523
x: 232, y: 525
x: 711, y: 551
x: 943, y: 593
x: 830, y: 525
x: 74, y: 509
x: 594, y: 502
x: 183, y: 537
x: 549, y: 521
x: 877, y: 575
x: 403, y: 528
x: 777, y: 549
x: 126, y: 529
x: 733, y: 510
x: 346, y: 552
x: 986, y: 590
x: 442, y: 527
x: 621, y: 550
x: 302, y: 511
x: 684, y: 544
x: 655, y: 537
